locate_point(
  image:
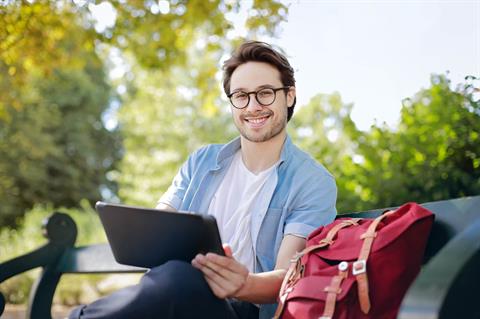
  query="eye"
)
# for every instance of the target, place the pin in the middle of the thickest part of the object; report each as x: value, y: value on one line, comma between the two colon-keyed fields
x: 240, y: 95
x: 265, y: 93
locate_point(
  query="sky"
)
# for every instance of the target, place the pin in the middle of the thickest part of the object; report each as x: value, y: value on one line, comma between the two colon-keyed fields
x: 376, y: 53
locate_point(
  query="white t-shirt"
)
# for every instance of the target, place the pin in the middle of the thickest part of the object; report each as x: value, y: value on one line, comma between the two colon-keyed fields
x: 231, y: 205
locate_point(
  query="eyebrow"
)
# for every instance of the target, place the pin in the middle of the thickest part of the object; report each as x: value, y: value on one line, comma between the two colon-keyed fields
x: 263, y: 86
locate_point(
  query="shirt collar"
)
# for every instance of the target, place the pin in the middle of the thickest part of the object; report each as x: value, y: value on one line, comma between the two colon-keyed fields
x: 286, y: 150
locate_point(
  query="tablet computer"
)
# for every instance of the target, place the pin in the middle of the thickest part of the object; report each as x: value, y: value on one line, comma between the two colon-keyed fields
x: 147, y: 237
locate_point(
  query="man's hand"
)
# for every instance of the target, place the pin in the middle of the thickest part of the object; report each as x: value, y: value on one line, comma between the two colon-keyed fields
x: 228, y: 278
x: 225, y: 276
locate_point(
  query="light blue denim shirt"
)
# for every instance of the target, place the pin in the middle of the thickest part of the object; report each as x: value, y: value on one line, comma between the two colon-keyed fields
x: 300, y: 197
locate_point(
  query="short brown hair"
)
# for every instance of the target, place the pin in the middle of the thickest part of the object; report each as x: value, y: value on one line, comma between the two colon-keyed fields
x: 257, y: 51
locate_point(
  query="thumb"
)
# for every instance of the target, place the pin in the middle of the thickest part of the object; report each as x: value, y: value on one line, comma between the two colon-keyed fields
x: 228, y: 250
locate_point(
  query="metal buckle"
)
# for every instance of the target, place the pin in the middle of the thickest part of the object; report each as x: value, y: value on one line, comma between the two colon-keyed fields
x: 359, y: 267
x: 343, y: 266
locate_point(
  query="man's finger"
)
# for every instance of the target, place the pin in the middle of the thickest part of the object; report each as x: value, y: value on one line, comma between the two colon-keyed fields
x: 230, y: 272
x: 222, y: 286
x: 216, y: 289
x: 223, y: 281
x: 228, y: 250
x: 201, y: 262
x: 225, y: 262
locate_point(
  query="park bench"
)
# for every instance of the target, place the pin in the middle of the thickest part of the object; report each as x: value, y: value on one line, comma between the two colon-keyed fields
x: 445, y: 288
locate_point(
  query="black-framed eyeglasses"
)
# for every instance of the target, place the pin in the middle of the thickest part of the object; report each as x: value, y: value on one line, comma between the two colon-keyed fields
x: 264, y: 97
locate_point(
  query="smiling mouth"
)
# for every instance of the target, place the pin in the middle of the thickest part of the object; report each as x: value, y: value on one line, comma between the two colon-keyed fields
x: 257, y: 120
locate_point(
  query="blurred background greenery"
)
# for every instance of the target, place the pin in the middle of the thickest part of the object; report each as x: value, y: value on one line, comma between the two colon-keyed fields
x: 89, y: 113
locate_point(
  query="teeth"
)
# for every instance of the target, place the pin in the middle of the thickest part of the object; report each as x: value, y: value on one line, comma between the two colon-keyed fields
x: 256, y: 121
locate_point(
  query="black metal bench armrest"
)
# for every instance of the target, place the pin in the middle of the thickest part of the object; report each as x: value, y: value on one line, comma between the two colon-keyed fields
x: 61, y: 231
x: 447, y: 285
x: 40, y: 257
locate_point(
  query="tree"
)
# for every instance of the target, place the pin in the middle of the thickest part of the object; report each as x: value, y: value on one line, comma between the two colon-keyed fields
x: 35, y: 39
x: 438, y: 142
x: 56, y: 148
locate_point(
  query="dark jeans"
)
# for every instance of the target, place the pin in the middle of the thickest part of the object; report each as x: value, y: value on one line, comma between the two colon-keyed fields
x: 172, y: 290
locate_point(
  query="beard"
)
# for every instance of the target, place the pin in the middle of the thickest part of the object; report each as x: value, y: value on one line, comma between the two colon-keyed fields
x: 267, y: 133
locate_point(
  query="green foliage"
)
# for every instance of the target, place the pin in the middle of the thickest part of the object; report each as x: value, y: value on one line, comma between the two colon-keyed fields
x: 438, y: 139
x: 158, y: 37
x: 161, y: 40
x: 36, y: 38
x: 55, y: 149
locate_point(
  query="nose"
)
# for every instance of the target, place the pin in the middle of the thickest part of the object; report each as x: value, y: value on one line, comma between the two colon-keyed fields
x: 253, y: 104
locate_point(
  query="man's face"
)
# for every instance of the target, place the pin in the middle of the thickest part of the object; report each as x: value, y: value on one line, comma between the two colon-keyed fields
x: 258, y: 123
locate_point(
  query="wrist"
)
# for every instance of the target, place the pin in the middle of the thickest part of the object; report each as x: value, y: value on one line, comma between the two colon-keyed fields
x: 244, y: 290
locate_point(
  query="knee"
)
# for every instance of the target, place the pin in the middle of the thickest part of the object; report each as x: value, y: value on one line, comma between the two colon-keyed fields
x: 173, y: 267
x: 172, y: 272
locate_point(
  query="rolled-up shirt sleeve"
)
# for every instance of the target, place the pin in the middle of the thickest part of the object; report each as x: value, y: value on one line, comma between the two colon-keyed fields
x: 176, y: 191
x: 314, y: 206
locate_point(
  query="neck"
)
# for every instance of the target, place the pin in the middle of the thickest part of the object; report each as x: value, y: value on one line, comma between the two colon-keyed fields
x: 258, y: 157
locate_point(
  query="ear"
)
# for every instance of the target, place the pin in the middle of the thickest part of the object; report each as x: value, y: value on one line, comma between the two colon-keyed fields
x: 291, y: 94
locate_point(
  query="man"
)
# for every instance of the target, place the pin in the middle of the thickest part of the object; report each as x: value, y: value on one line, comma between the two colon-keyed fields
x: 266, y: 194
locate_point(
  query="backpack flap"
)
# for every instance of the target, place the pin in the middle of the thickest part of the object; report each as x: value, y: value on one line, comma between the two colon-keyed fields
x: 309, y: 296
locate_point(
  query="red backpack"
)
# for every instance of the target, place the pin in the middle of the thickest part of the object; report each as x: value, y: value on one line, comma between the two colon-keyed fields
x: 357, y: 268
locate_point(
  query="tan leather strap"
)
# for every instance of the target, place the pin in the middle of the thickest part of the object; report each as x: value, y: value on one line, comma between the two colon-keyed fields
x: 295, y: 271
x: 333, y: 290
x: 281, y: 303
x: 329, y: 239
x: 359, y: 268
x: 333, y: 232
